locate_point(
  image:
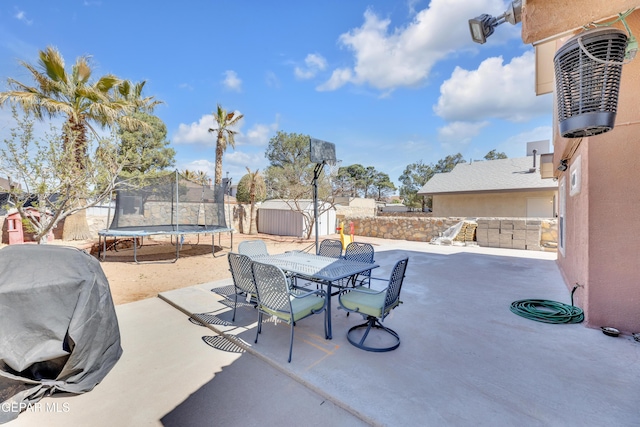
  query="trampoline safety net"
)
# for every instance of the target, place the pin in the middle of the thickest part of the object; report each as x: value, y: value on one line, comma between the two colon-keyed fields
x: 169, y: 203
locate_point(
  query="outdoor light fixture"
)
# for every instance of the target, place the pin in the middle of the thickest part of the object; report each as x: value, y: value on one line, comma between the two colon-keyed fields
x: 482, y: 26
x: 563, y: 165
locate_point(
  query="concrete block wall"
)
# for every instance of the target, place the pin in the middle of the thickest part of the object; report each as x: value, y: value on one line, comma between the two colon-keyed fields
x: 511, y: 233
x: 532, y: 234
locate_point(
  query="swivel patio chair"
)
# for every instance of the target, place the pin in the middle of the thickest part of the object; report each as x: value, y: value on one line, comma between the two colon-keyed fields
x: 240, y: 266
x: 253, y: 248
x: 374, y: 306
x: 277, y: 298
x: 331, y: 248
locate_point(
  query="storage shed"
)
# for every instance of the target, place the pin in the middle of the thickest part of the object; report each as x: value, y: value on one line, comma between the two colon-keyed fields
x: 279, y: 218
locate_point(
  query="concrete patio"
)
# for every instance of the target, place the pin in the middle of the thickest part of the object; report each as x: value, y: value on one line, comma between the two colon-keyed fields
x: 465, y: 359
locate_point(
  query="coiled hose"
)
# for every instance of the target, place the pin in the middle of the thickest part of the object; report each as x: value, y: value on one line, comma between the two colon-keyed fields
x: 548, y: 311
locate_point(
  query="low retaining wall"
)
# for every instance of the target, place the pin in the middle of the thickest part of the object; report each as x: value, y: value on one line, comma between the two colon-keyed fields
x: 514, y: 233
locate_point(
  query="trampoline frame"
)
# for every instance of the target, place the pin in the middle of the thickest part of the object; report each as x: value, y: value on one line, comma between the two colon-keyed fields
x: 140, y: 233
x: 176, y: 229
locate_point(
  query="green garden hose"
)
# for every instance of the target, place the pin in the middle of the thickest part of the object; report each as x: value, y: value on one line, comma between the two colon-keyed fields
x: 548, y: 311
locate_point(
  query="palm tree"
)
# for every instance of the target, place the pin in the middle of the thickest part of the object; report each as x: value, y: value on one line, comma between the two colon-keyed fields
x: 253, y: 177
x: 225, y: 136
x: 82, y: 101
x: 202, y: 177
x: 189, y: 175
x: 198, y: 177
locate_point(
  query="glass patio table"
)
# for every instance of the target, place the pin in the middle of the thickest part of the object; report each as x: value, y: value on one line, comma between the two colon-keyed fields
x: 324, y: 270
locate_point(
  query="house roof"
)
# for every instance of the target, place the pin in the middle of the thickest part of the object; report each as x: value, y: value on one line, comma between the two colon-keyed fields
x: 490, y: 175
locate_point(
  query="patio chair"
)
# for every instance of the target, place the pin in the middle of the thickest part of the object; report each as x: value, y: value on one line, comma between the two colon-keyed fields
x: 331, y: 248
x: 253, y: 248
x: 374, y: 306
x: 240, y: 266
x: 277, y: 298
x: 361, y: 252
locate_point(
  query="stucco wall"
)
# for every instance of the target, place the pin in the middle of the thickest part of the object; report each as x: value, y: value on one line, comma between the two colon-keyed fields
x: 601, y: 250
x: 512, y: 204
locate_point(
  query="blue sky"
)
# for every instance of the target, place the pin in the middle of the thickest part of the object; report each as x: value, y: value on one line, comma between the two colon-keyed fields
x: 388, y: 82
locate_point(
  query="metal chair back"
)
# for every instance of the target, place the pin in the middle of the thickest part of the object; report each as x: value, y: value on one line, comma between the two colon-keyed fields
x: 330, y: 248
x: 361, y: 252
x: 240, y: 267
x: 273, y: 288
x: 395, y: 285
x: 253, y: 248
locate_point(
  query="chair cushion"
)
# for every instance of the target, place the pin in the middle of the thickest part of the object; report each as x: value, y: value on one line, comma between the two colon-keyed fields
x: 366, y: 301
x: 302, y: 307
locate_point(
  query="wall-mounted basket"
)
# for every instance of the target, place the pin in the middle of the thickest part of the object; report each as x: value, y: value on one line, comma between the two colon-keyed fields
x: 587, y: 70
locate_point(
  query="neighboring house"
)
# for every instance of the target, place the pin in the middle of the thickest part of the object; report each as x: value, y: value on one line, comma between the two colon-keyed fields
x: 354, y: 206
x: 4, y: 203
x: 4, y: 185
x: 492, y: 188
x: 393, y: 207
x: 277, y: 217
x: 598, y: 175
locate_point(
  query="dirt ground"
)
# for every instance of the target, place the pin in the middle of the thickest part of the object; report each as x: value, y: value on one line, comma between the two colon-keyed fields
x: 157, y: 273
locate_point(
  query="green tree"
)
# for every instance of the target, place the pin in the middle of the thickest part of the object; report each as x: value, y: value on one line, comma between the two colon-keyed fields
x: 448, y: 163
x: 354, y: 178
x: 357, y: 180
x: 81, y: 100
x: 383, y: 186
x: 224, y: 136
x: 495, y: 155
x: 51, y: 180
x: 414, y: 177
x: 243, y: 194
x: 290, y: 176
x: 148, y: 149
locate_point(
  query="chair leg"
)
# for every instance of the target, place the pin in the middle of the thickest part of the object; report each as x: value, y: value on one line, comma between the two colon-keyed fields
x: 373, y: 322
x: 235, y: 304
x: 259, y: 328
x: 291, y: 342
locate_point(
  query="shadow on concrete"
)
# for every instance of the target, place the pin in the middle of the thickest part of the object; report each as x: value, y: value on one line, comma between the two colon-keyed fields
x: 464, y: 358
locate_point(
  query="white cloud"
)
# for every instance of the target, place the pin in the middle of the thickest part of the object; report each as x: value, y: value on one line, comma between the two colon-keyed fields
x: 206, y: 166
x: 258, y: 135
x: 185, y: 86
x: 455, y: 136
x: 495, y: 89
x: 240, y: 160
x: 198, y: 133
x: 272, y: 80
x: 515, y: 146
x: 235, y: 162
x: 313, y: 64
x: 460, y: 132
x: 389, y: 58
x: 22, y: 16
x: 338, y: 78
x: 231, y: 81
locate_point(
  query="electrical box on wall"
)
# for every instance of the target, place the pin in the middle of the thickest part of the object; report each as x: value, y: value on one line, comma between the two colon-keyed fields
x: 575, y: 176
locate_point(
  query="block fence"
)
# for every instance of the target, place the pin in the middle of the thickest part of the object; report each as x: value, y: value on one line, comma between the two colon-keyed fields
x: 514, y: 233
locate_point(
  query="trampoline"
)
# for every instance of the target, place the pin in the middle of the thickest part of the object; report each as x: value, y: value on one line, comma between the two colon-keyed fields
x: 169, y: 205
